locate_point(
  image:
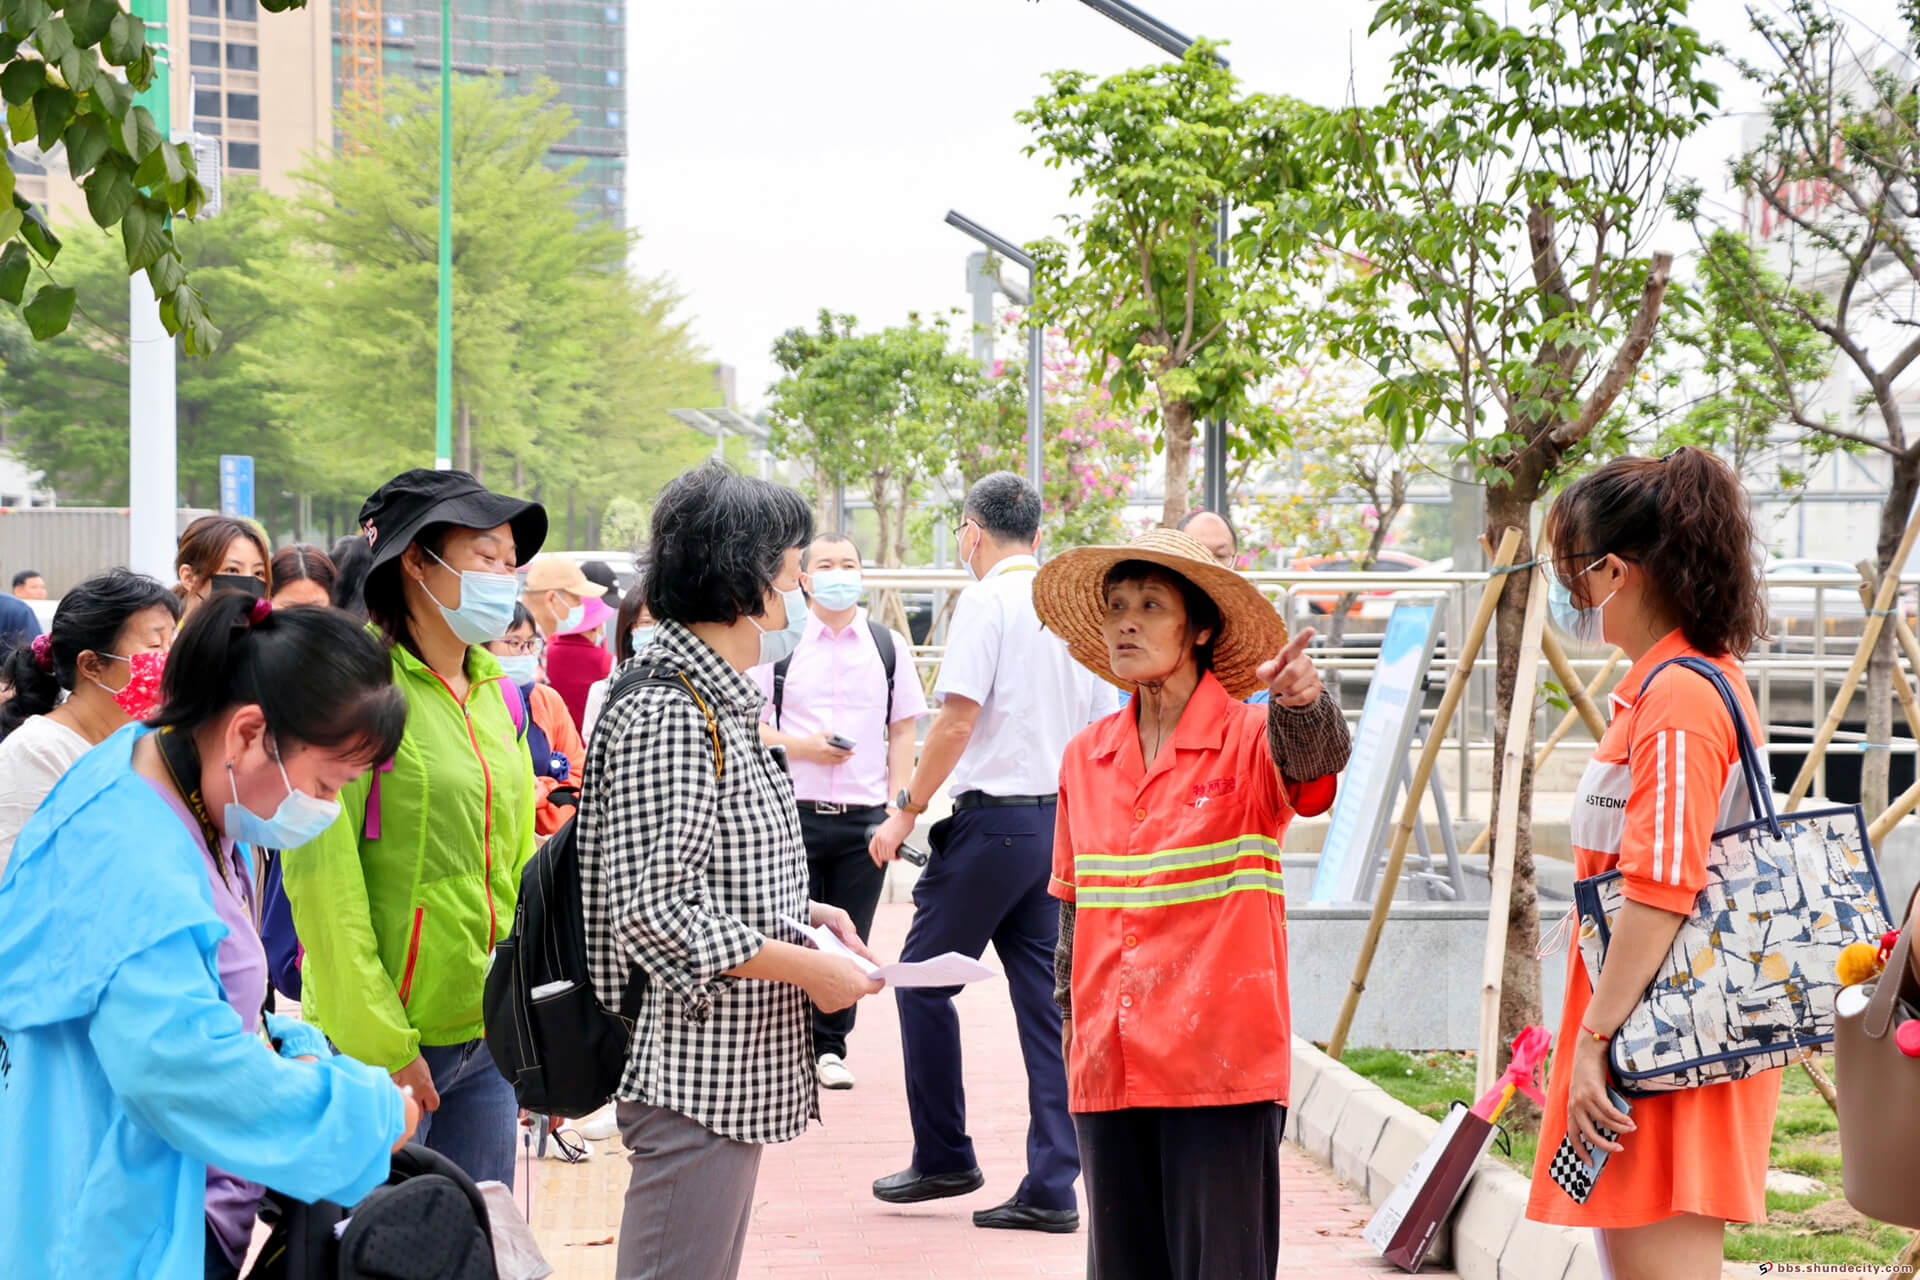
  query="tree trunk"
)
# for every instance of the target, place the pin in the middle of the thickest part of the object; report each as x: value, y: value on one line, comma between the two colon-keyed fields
x: 519, y: 475
x: 1520, y: 979
x: 825, y: 518
x: 463, y: 439
x: 900, y: 526
x: 1177, y: 439
x: 1875, y: 765
x: 570, y: 505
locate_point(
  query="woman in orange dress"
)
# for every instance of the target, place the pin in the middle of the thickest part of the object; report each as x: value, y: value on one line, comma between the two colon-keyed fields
x: 1657, y: 557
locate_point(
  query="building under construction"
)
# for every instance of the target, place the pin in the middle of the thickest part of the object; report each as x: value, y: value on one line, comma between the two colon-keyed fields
x: 578, y: 45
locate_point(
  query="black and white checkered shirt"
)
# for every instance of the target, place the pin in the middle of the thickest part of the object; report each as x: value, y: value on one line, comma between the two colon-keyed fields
x: 686, y: 875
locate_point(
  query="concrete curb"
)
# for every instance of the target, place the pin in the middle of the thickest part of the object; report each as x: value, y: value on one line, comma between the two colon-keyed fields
x: 1349, y: 1123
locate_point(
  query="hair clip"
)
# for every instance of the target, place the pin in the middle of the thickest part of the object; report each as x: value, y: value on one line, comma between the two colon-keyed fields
x: 258, y: 613
x: 43, y: 651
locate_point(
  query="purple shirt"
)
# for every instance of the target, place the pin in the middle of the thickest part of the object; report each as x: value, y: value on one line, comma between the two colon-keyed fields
x: 232, y: 1203
x: 836, y: 684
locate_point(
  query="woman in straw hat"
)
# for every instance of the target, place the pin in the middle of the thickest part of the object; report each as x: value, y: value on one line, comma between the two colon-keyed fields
x: 1174, y: 986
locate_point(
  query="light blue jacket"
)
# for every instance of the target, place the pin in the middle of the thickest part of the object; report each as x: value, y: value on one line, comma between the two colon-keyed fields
x: 124, y: 1072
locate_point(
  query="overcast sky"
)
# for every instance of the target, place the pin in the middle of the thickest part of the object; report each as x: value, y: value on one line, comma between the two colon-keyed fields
x: 787, y: 155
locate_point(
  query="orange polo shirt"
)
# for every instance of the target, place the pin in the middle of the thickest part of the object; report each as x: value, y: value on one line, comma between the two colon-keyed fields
x: 1180, y: 943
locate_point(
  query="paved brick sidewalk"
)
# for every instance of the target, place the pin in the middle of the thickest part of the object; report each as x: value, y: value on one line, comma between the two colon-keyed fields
x: 815, y: 1217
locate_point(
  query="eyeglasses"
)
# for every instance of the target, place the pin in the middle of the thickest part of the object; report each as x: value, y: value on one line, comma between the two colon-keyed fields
x: 529, y: 645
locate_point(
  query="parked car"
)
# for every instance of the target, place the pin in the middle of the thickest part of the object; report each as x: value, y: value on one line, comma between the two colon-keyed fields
x: 1788, y: 604
x: 1326, y: 603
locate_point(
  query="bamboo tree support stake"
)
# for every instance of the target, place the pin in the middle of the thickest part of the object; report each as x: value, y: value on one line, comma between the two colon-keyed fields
x: 1570, y: 681
x: 1540, y: 757
x: 1422, y: 773
x: 1506, y: 844
x: 1869, y: 638
x: 1902, y: 688
x: 1903, y: 805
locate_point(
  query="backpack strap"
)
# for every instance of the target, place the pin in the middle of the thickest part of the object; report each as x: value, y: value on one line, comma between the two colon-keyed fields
x: 669, y: 677
x: 516, y: 705
x: 780, y: 670
x: 883, y: 641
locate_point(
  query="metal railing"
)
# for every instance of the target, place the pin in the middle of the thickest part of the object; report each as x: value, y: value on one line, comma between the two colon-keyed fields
x: 1806, y: 660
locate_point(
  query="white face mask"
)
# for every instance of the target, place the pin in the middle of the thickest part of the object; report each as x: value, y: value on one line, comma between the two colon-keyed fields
x: 966, y: 557
x: 837, y: 589
x: 775, y: 645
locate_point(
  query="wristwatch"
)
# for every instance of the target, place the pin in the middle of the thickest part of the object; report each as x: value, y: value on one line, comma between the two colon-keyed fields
x: 904, y: 801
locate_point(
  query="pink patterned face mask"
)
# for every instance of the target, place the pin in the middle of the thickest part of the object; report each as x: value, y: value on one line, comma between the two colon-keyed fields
x: 139, y: 697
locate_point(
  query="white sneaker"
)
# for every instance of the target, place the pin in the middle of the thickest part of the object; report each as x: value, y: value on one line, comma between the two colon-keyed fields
x: 599, y: 1126
x: 833, y: 1072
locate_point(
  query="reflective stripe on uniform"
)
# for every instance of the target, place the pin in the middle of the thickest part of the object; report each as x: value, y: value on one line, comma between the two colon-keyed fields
x: 1096, y: 866
x: 1184, y: 891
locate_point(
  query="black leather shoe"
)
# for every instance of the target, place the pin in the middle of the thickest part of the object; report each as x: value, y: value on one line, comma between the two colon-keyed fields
x: 1014, y: 1216
x: 910, y: 1186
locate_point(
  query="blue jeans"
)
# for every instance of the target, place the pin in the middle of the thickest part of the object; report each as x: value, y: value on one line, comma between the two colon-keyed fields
x: 475, y: 1124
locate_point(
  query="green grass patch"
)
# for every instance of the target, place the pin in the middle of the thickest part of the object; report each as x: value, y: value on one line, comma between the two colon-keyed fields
x: 1818, y: 1227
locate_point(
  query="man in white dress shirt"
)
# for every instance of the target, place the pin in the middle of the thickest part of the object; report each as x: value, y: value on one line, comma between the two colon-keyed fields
x: 1012, y: 697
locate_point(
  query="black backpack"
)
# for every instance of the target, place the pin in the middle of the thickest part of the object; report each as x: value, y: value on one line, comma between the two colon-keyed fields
x: 428, y: 1222
x: 559, y: 1047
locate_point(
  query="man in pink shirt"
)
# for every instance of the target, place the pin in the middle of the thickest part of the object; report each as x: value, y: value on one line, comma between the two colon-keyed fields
x: 850, y: 743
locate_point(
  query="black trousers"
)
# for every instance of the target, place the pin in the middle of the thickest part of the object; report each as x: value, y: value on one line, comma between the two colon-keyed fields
x: 840, y: 873
x: 1183, y: 1193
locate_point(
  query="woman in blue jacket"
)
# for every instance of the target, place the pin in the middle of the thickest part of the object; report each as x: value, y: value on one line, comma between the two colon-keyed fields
x: 140, y: 1113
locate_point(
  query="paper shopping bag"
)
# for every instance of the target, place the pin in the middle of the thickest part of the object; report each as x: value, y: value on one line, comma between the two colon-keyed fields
x: 1405, y: 1225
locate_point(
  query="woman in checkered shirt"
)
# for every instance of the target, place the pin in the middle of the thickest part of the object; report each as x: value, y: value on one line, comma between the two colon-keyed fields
x: 690, y: 855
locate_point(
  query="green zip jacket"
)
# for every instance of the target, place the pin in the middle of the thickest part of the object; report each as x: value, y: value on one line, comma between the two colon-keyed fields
x: 398, y: 910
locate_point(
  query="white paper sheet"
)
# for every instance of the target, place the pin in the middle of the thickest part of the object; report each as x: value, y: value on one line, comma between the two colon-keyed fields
x: 949, y: 970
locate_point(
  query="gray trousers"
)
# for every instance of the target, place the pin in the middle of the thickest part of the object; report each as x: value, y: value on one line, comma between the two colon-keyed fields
x: 688, y: 1200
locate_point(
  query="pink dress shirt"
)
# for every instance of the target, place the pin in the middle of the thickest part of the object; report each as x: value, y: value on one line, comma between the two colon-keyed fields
x: 836, y: 684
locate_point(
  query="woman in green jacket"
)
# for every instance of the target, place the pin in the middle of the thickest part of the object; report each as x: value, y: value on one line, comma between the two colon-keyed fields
x: 400, y: 902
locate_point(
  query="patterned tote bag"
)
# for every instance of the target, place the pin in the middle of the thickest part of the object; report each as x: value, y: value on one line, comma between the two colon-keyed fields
x: 1750, y: 980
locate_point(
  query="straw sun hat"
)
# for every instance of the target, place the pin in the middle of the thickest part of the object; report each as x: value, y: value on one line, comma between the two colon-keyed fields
x: 1070, y: 597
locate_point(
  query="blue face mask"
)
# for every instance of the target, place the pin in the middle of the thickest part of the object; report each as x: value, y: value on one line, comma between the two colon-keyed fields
x: 1588, y: 625
x: 775, y: 645
x: 486, y: 604
x: 299, y: 818
x: 521, y: 668
x: 837, y: 589
x: 642, y: 637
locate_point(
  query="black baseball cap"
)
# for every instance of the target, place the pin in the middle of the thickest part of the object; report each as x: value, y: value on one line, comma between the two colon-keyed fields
x: 399, y: 509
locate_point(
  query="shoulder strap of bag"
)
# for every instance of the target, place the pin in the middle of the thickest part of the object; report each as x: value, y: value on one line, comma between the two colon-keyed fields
x: 780, y: 670
x: 669, y: 677
x: 1753, y: 769
x: 1886, y: 992
x: 883, y: 641
x: 516, y: 705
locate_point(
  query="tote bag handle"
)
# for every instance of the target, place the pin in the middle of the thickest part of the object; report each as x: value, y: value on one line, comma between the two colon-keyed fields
x: 1759, y: 789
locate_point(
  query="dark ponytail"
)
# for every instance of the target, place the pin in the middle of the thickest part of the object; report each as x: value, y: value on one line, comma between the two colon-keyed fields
x: 89, y: 618
x: 315, y: 674
x: 1686, y: 520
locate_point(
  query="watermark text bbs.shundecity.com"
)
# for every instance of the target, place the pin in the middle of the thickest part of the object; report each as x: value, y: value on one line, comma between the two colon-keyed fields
x: 1833, y: 1269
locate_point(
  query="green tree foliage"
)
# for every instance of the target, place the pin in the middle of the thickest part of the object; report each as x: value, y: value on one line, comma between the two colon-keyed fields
x: 1153, y: 152
x: 877, y: 410
x: 563, y: 363
x: 1830, y: 189
x: 68, y: 75
x: 1720, y: 369
x: 1504, y: 193
x: 67, y: 395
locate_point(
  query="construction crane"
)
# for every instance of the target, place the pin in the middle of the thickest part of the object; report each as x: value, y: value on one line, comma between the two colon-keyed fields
x: 361, y: 38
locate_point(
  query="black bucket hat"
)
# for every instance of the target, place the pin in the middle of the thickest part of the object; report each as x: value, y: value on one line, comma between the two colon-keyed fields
x: 399, y: 509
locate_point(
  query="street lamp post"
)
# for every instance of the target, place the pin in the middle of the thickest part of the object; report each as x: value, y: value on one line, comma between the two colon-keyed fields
x: 1151, y: 29
x: 1036, y: 341
x: 443, y: 363
x: 152, y: 456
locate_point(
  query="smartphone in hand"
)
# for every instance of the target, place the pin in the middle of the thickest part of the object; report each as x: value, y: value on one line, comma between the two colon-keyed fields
x: 836, y: 740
